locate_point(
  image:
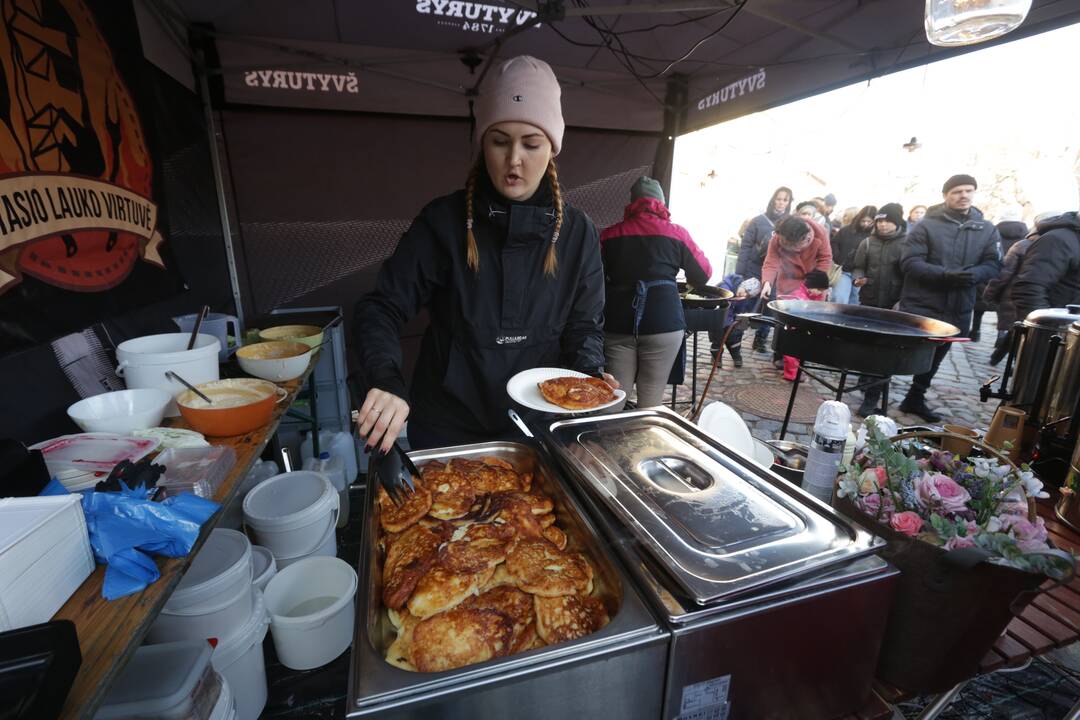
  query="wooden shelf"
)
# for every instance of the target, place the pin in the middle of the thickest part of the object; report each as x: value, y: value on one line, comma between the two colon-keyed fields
x: 110, y: 631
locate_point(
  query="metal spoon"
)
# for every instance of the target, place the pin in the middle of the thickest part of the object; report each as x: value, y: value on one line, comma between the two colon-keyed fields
x: 195, y: 330
x: 170, y: 374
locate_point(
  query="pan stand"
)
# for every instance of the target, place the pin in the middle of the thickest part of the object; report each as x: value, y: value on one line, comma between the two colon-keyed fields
x: 813, y: 371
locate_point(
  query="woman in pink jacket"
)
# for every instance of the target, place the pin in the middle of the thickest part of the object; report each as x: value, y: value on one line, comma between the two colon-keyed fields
x: 796, y: 247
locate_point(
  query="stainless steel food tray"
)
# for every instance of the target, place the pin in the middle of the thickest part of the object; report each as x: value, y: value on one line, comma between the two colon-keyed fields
x: 375, y: 685
x: 711, y: 517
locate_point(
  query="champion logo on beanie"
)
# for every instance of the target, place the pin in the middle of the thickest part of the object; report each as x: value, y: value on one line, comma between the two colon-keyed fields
x: 524, y: 89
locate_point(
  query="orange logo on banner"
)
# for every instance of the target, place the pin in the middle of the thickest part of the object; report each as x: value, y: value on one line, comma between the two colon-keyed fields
x: 75, y: 208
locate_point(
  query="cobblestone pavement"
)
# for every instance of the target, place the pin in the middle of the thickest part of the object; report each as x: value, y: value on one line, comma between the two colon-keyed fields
x: 954, y: 393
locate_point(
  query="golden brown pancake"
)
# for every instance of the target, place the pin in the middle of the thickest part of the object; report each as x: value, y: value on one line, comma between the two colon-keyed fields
x: 547, y: 520
x: 395, y: 519
x: 498, y: 578
x: 441, y: 589
x: 473, y: 554
x: 513, y: 603
x: 555, y: 536
x: 399, y: 654
x: 568, y: 617
x: 408, y: 558
x: 452, y: 493
x: 540, y: 568
x: 459, y: 637
x: 575, y: 393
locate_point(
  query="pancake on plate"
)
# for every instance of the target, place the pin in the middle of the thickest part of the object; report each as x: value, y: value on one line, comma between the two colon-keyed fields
x: 574, y: 393
x: 459, y: 637
x: 540, y: 568
x: 568, y: 617
x: 408, y: 558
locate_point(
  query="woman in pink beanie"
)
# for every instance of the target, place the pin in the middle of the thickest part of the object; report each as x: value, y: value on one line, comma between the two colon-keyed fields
x: 509, y: 273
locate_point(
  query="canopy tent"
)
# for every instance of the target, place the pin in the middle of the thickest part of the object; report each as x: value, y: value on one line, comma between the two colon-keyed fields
x: 618, y: 60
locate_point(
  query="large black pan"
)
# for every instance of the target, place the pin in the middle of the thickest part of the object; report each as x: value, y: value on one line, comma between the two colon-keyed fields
x: 706, y: 297
x: 857, y: 338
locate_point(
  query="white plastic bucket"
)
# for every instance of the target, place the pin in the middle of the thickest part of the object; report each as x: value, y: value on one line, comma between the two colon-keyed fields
x: 291, y: 513
x: 326, y: 548
x: 264, y: 566
x: 143, y: 362
x: 215, y: 595
x: 311, y: 607
x: 239, y: 659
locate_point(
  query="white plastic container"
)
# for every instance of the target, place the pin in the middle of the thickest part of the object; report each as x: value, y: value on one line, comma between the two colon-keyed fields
x: 264, y: 566
x: 292, y: 514
x: 214, y: 597
x: 327, y: 548
x: 311, y: 607
x: 44, y: 557
x: 143, y: 362
x: 172, y: 681
x: 338, y: 444
x: 333, y: 467
x: 239, y: 659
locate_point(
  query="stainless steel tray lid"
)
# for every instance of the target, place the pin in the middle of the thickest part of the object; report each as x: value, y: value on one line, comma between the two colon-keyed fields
x: 716, y: 521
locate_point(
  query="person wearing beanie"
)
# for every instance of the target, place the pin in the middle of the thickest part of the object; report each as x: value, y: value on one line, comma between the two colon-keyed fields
x: 945, y: 257
x: 998, y: 292
x: 753, y: 248
x: 815, y: 288
x: 509, y: 273
x: 644, y: 327
x: 844, y: 244
x: 878, y: 280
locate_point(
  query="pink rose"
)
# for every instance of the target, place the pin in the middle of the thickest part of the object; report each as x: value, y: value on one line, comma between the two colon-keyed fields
x: 876, y: 506
x: 959, y: 541
x: 906, y: 522
x: 1030, y: 536
x: 933, y: 491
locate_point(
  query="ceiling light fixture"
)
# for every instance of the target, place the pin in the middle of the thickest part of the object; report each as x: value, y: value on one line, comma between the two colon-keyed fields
x: 950, y: 23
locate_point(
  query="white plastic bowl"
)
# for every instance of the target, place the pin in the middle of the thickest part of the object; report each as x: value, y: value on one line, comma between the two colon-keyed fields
x: 277, y: 361
x: 121, y: 411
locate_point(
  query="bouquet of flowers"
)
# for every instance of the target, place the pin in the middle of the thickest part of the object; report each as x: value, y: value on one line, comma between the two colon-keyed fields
x: 951, y: 502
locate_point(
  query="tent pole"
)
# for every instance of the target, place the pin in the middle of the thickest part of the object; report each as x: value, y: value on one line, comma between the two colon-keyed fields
x: 674, y: 107
x: 219, y: 185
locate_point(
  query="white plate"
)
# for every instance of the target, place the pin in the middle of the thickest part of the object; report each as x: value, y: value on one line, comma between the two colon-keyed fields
x: 524, y: 388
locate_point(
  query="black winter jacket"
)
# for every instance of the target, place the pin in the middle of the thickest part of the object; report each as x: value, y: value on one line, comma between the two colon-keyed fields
x: 1050, y: 274
x: 755, y: 244
x: 846, y: 243
x: 646, y: 246
x: 1011, y: 231
x: 485, y: 326
x: 945, y: 241
x: 878, y: 260
x: 999, y: 290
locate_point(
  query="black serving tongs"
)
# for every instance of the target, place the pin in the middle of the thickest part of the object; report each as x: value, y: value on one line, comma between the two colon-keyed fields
x: 395, y: 472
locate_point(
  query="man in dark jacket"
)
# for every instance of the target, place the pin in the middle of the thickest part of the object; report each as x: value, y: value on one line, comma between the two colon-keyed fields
x: 755, y: 243
x: 844, y: 245
x: 947, y: 254
x: 1050, y: 274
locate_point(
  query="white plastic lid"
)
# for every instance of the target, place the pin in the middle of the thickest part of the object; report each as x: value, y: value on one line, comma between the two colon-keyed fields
x: 251, y: 632
x: 224, y: 556
x: 158, y: 682
x: 289, y: 501
x: 262, y: 564
x: 833, y: 420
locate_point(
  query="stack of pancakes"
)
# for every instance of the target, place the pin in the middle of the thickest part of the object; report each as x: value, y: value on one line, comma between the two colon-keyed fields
x: 475, y: 568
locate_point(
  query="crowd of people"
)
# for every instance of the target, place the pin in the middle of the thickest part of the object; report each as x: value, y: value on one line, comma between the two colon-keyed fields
x: 946, y: 262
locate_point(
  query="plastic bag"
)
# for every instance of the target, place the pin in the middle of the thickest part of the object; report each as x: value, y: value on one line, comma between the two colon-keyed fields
x: 126, y: 527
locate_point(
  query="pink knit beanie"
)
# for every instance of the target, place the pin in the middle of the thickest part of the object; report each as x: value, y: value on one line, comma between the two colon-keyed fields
x: 523, y: 89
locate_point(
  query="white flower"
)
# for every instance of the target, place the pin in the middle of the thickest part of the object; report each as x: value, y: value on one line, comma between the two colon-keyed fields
x: 1032, y: 485
x: 982, y: 467
x: 994, y: 525
x: 848, y: 487
x: 1000, y: 471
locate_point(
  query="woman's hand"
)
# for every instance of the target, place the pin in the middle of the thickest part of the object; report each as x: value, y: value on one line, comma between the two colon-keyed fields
x: 766, y: 290
x: 610, y: 380
x: 381, y: 418
x: 861, y: 281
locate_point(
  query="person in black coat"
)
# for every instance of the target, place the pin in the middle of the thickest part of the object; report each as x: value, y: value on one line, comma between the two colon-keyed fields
x: 998, y: 292
x: 1050, y: 274
x: 755, y: 243
x: 945, y: 256
x: 509, y: 273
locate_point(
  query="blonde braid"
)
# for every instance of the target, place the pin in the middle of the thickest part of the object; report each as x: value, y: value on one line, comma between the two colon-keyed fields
x: 551, y: 262
x: 472, y: 252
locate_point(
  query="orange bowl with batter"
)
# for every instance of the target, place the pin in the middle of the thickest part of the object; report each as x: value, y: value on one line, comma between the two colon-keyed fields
x: 238, y: 406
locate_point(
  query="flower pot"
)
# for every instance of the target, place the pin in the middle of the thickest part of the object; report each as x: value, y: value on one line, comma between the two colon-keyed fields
x: 947, y: 613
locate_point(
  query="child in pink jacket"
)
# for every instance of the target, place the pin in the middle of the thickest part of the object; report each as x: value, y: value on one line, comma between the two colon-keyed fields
x: 814, y: 287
